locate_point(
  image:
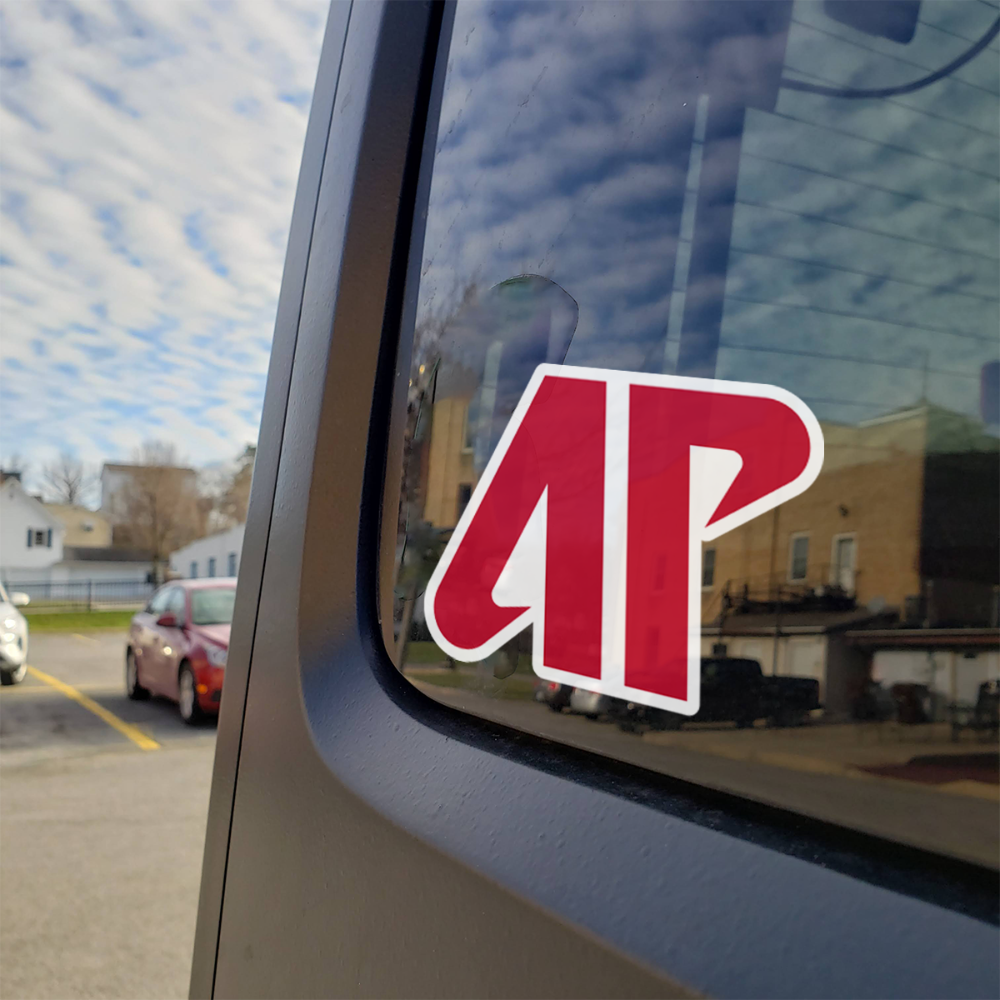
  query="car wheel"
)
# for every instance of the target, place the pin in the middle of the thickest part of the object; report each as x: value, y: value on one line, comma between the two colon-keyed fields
x: 187, y: 696
x: 133, y: 688
x: 12, y: 675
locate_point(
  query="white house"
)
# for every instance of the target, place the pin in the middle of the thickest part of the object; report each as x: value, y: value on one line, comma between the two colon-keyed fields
x: 33, y: 549
x: 31, y: 538
x: 216, y: 555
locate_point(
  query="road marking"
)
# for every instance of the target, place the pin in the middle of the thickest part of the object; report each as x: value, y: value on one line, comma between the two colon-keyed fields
x: 44, y: 689
x: 139, y: 738
x: 85, y: 638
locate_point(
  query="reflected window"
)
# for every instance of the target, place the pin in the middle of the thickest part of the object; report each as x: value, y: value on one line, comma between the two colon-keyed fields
x: 464, y: 496
x: 798, y: 558
x: 708, y: 568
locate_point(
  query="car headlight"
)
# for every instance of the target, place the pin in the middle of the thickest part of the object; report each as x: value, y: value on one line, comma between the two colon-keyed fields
x: 10, y: 623
x: 8, y: 637
x: 216, y: 655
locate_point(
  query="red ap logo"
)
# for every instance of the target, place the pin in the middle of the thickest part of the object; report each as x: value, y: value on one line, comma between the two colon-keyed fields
x: 589, y: 518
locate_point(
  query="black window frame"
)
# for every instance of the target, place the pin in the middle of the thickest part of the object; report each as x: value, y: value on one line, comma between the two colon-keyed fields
x: 796, y: 907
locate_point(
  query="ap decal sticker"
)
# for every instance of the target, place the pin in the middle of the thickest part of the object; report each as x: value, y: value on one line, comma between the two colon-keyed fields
x: 589, y: 519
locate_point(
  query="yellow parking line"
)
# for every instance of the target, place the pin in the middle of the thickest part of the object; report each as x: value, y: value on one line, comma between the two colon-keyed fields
x: 139, y: 738
x: 85, y: 638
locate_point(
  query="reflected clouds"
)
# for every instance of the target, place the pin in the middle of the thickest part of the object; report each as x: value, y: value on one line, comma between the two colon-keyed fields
x: 576, y: 143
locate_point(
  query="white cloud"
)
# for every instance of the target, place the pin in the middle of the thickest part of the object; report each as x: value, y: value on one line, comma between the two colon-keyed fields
x: 149, y: 162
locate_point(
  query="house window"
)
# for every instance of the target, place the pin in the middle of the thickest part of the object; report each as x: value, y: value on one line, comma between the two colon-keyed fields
x: 231, y: 569
x: 798, y: 563
x: 464, y: 496
x: 708, y: 568
x: 470, y: 423
x: 211, y: 566
x: 194, y: 570
x: 36, y: 537
x: 843, y: 563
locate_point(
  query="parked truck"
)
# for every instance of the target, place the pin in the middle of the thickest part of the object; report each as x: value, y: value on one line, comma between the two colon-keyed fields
x: 732, y: 690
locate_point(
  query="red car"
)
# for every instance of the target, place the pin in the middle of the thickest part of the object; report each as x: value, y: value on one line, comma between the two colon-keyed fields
x: 177, y: 645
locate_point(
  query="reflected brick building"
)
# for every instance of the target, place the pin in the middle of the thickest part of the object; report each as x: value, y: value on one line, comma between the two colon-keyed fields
x: 897, y: 534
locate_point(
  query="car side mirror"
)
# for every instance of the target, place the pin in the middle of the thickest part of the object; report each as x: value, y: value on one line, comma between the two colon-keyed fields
x: 167, y: 620
x: 19, y: 599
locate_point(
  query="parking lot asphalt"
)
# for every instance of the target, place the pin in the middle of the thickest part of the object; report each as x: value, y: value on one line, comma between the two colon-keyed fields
x: 101, y: 829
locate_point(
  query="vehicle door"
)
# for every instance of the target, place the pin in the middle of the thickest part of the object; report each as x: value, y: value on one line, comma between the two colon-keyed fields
x: 159, y: 648
x: 385, y: 821
x: 173, y: 642
x: 144, y: 637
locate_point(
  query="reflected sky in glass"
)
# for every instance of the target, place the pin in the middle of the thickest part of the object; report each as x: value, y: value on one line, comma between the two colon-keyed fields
x: 855, y: 241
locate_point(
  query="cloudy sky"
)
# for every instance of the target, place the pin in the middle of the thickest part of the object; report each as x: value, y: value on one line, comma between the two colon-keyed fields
x: 149, y: 157
x: 862, y: 270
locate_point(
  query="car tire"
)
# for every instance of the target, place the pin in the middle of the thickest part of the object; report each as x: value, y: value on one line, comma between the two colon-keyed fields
x: 12, y: 675
x: 133, y: 688
x: 187, y: 696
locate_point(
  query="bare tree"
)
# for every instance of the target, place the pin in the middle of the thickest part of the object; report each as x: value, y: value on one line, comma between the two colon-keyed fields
x: 226, y: 490
x: 236, y: 498
x: 67, y: 480
x: 158, y: 503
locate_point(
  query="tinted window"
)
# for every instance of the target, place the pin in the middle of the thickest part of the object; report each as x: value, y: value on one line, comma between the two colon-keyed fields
x: 751, y: 192
x: 212, y: 606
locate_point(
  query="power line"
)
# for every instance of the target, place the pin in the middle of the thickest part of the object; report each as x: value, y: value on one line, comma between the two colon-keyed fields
x: 940, y: 74
x: 868, y: 319
x: 954, y: 34
x: 913, y: 109
x: 863, y: 229
x: 896, y: 366
x: 865, y: 274
x: 867, y: 184
x: 888, y: 145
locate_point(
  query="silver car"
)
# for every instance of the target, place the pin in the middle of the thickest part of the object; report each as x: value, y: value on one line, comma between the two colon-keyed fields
x: 589, y: 703
x: 13, y: 637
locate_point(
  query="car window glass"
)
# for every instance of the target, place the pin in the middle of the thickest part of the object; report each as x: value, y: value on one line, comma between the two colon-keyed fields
x: 159, y: 602
x: 783, y: 194
x: 213, y: 606
x: 176, y: 605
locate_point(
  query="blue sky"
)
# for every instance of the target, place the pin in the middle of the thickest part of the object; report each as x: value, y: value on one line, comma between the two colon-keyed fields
x: 149, y: 159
